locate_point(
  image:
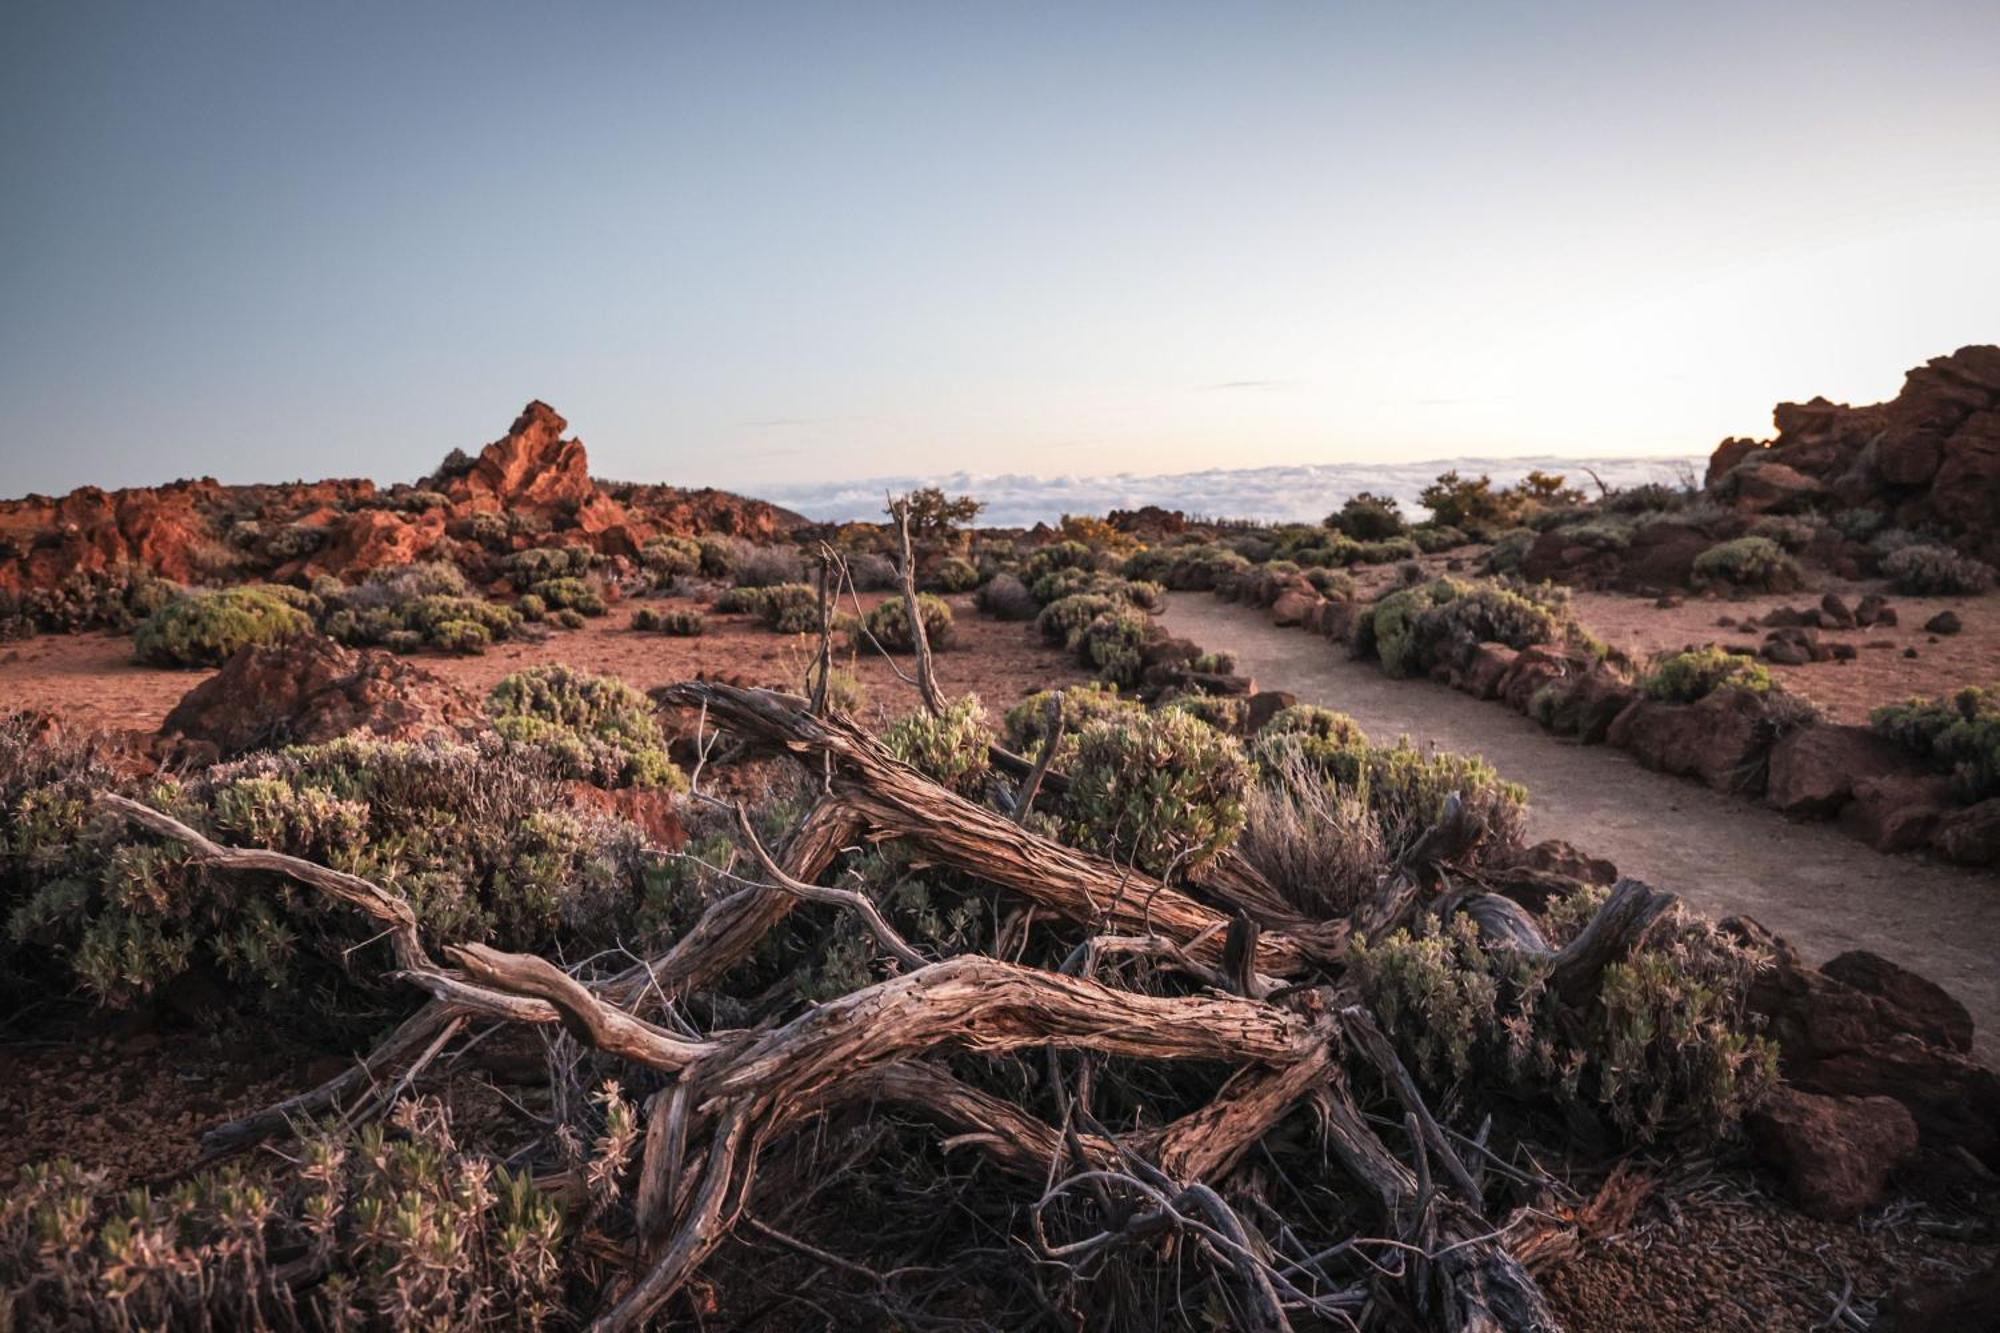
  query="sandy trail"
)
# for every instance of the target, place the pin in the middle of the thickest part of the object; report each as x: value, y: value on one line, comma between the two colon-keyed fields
x: 1808, y: 882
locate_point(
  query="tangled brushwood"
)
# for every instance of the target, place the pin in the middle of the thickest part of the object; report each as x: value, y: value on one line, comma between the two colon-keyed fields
x: 1132, y: 1026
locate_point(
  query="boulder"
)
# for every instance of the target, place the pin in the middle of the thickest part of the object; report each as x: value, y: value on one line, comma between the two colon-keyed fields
x: 1971, y: 836
x: 1773, y: 487
x: 1836, y: 1153
x: 1813, y: 769
x: 1896, y: 812
x: 1265, y: 705
x: 1837, y: 1039
x: 1482, y: 675
x: 1717, y: 739
x: 1555, y: 856
x: 1292, y: 606
x: 1908, y: 455
x: 312, y: 689
x: 1931, y: 1011
x: 1834, y: 612
x: 1944, y: 622
x: 1871, y: 609
x: 1532, y: 668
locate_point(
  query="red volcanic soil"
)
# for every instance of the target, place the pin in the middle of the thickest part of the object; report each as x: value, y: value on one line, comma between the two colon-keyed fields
x: 91, y: 680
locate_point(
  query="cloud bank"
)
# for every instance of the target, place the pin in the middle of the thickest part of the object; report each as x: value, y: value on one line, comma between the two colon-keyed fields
x: 1300, y: 494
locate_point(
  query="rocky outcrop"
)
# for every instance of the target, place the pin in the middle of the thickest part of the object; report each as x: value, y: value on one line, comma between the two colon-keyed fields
x: 1717, y: 739
x: 205, y: 532
x: 1835, y: 1153
x: 1928, y: 458
x: 1813, y: 770
x: 1837, y: 1039
x: 312, y: 689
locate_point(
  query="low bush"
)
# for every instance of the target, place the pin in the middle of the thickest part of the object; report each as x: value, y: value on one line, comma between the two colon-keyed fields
x: 1195, y: 567
x: 207, y: 628
x: 1794, y: 534
x: 681, y: 622
x: 481, y: 840
x: 1431, y: 538
x: 789, y: 608
x: 1113, y: 644
x: 596, y: 728
x: 956, y: 575
x: 1333, y: 583
x: 1368, y: 517
x: 1027, y: 723
x: 1062, y: 622
x: 1936, y: 571
x: 1959, y: 735
x: 538, y: 564
x: 1419, y: 627
x: 1224, y: 712
x: 888, y: 625
x: 1006, y: 598
x: 1162, y: 791
x: 1509, y: 551
x: 1215, y: 664
x: 1747, y: 562
x: 951, y: 749
x: 400, y: 1227
x: 767, y: 566
x: 467, y: 638
x: 1316, y: 841
x: 1384, y: 552
x: 569, y: 594
x: 669, y: 559
x: 1667, y: 1048
x: 1054, y: 558
x: 1695, y: 673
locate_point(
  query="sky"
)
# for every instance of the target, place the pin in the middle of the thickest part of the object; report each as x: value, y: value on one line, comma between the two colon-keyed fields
x: 759, y: 245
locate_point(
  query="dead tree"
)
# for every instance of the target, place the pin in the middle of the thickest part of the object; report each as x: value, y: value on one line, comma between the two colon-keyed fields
x: 1268, y: 1004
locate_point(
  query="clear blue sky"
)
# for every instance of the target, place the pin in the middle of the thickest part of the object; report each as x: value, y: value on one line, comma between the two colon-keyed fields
x: 738, y: 243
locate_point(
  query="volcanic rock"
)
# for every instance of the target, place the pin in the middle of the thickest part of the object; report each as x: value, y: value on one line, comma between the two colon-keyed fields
x: 1836, y: 1153
x: 312, y: 689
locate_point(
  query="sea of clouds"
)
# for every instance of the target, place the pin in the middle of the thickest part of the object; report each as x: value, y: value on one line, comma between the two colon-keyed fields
x: 1300, y: 494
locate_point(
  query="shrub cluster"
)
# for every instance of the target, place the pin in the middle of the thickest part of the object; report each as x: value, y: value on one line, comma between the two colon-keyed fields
x: 423, y: 605
x: 888, y: 625
x: 1026, y: 725
x: 681, y: 622
x: 1666, y: 1048
x: 594, y: 728
x: 1162, y: 791
x: 1419, y: 627
x: 956, y: 574
x: 1369, y: 518
x: 1006, y: 598
x: 1695, y: 673
x: 1959, y: 735
x: 402, y: 1228
x: 1114, y: 643
x: 207, y: 628
x: 1747, y: 562
x: 1936, y: 571
x: 481, y: 840
x: 951, y: 750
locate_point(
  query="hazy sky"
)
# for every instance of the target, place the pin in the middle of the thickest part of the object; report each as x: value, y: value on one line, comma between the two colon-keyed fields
x: 737, y: 243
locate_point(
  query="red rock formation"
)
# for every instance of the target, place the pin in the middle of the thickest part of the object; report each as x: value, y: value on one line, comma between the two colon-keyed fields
x: 1929, y: 456
x: 311, y: 689
x: 205, y: 532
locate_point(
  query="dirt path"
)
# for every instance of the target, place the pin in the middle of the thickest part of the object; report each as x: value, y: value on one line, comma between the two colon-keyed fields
x: 1808, y: 882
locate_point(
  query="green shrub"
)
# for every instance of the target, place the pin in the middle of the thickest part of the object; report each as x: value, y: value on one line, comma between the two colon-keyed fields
x: 888, y: 625
x: 1369, y: 518
x: 789, y: 608
x: 1196, y: 567
x: 569, y: 594
x: 669, y: 559
x: 1431, y: 538
x: 1666, y: 1048
x: 741, y: 601
x: 1419, y: 627
x: 1162, y: 791
x: 207, y: 628
x: 1027, y: 723
x: 541, y: 563
x: 468, y: 638
x: 1959, y: 735
x: 481, y: 841
x: 400, y: 1228
x: 1114, y: 645
x: 1385, y: 552
x: 1747, y: 562
x: 678, y: 621
x: 1215, y: 664
x: 1695, y: 673
x: 951, y: 750
x: 718, y: 556
x: 957, y: 575
x: 1936, y: 571
x: 1467, y: 503
x: 530, y: 607
x: 596, y: 728
x: 1406, y: 788
x: 1063, y: 621
x: 1794, y: 534
x: 1510, y: 551
x: 1054, y: 558
x: 768, y: 566
x: 1224, y: 712
x: 567, y: 618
